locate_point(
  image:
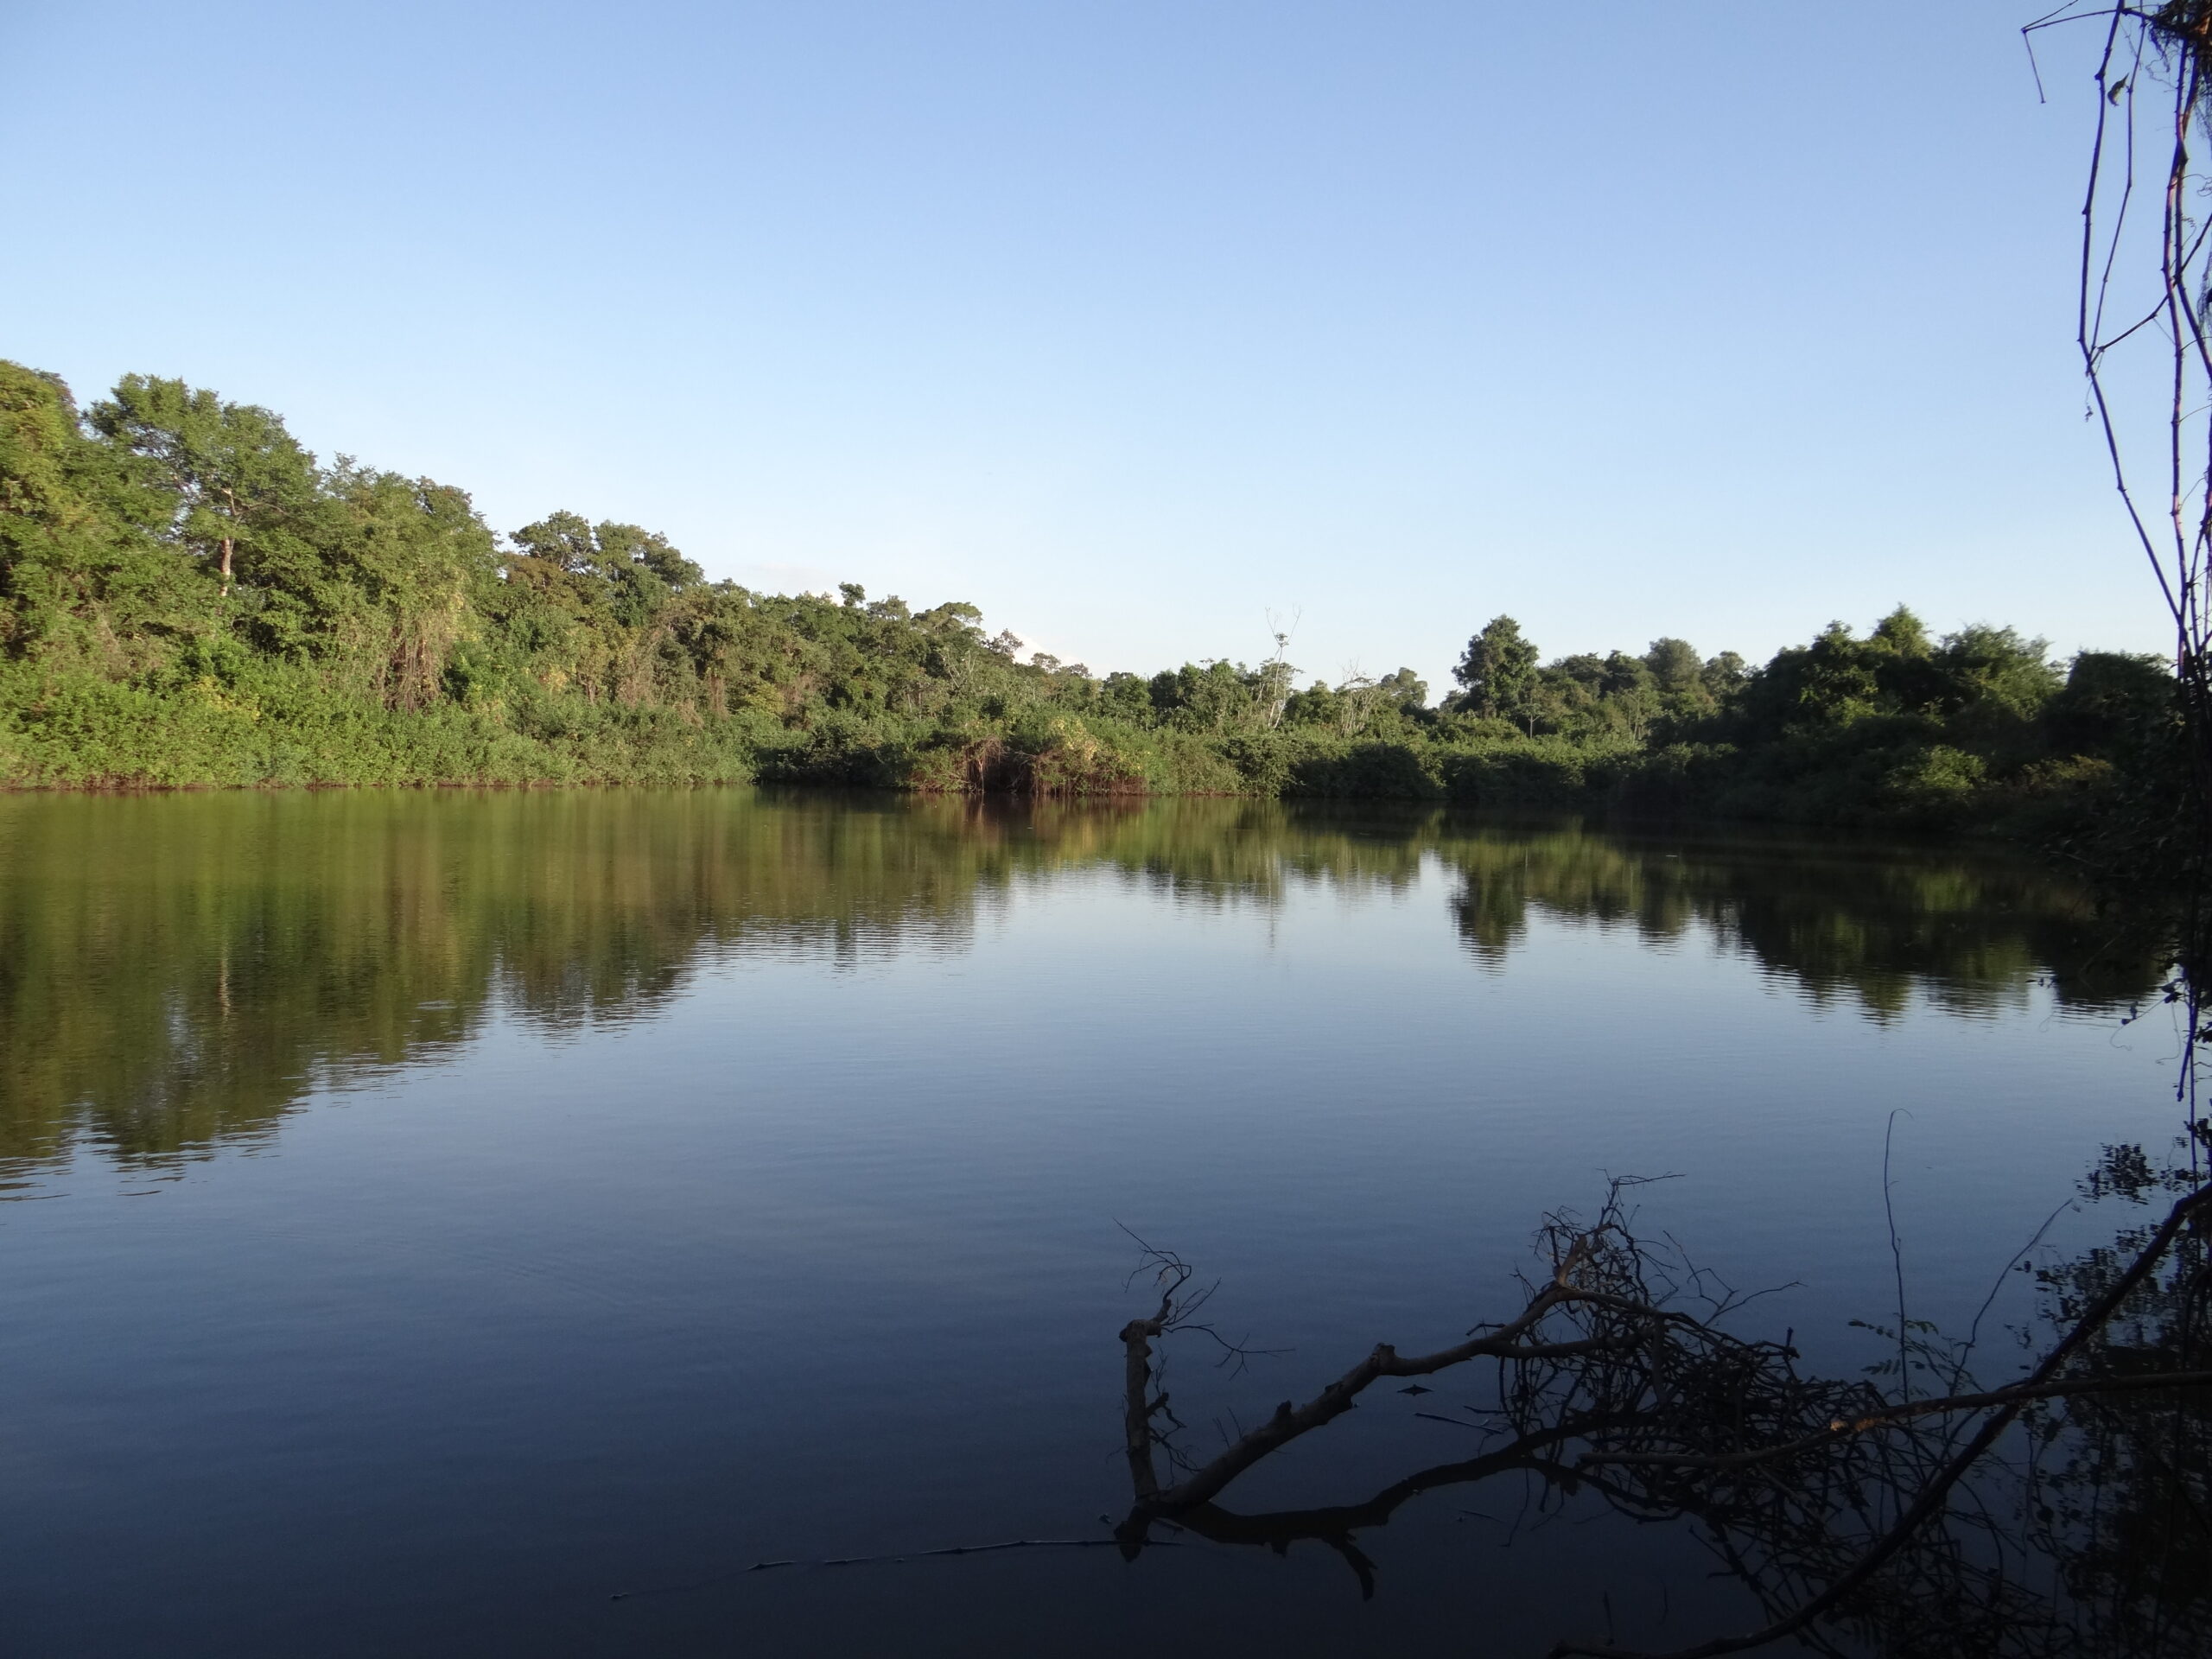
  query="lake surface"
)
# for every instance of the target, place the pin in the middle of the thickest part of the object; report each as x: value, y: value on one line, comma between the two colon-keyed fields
x: 431, y: 1216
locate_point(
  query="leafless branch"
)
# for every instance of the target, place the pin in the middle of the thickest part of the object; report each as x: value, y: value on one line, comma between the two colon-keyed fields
x: 1810, y: 1489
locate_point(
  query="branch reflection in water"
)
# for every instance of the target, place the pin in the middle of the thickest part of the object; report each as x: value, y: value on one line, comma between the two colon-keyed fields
x: 2068, y: 1510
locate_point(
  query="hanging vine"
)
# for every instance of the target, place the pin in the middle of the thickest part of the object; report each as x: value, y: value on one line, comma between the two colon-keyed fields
x: 2145, y: 331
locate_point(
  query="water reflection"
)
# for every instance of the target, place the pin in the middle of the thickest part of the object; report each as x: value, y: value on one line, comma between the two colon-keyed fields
x: 178, y: 972
x: 1919, y: 1510
x: 1866, y: 922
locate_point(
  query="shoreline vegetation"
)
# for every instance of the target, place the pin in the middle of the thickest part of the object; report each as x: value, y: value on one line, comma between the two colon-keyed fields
x: 189, y: 599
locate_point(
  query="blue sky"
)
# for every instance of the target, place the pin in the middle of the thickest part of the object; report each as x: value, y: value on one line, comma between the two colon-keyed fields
x: 1133, y: 323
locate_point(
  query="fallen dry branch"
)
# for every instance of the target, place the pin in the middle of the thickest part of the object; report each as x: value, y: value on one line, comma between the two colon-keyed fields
x: 1598, y: 1287
x: 1830, y: 1499
x: 2042, y: 1383
x: 1889, y: 1416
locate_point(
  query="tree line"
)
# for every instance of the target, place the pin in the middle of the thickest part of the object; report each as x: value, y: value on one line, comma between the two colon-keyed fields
x: 189, y: 597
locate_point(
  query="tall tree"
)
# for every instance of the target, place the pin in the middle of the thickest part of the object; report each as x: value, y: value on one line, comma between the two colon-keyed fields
x: 1498, y: 669
x: 1675, y: 664
x: 235, y: 471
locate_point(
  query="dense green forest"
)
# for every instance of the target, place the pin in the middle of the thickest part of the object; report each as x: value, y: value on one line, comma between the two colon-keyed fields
x: 187, y: 597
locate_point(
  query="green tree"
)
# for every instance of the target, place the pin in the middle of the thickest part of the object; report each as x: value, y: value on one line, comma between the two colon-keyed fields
x: 564, y: 540
x: 1674, y: 665
x: 1902, y: 632
x: 1678, y: 681
x: 1405, y: 689
x: 1498, y: 669
x: 1220, y: 696
x: 624, y: 549
x: 84, y: 580
x: 403, y: 569
x: 1724, y: 675
x: 237, y: 475
x: 2115, y: 700
x: 1996, y: 672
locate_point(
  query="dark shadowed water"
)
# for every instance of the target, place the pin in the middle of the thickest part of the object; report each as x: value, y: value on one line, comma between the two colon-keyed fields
x: 430, y: 1216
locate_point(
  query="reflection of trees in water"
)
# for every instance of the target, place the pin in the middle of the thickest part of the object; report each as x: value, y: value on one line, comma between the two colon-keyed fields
x: 1874, y: 923
x: 177, y: 971
x: 2123, y: 1489
x: 2065, y: 1511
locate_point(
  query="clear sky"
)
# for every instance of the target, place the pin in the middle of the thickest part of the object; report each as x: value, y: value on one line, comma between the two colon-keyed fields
x: 1134, y: 322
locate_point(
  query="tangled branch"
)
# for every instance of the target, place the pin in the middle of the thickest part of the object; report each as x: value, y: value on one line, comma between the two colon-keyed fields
x: 1829, y: 1497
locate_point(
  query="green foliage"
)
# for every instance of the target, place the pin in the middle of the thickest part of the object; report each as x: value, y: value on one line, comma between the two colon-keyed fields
x: 187, y: 597
x: 238, y: 486
x: 1497, y: 671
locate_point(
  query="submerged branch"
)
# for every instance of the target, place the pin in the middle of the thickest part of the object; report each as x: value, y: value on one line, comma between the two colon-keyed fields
x: 1810, y: 1489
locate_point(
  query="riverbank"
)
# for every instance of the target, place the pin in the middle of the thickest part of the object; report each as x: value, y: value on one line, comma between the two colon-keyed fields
x: 188, y: 599
x: 278, y: 726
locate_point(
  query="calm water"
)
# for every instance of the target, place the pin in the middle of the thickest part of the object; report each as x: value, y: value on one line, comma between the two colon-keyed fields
x: 430, y: 1215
